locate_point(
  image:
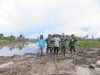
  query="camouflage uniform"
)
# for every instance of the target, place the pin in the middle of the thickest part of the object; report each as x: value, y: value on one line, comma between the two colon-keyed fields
x: 72, y: 44
x: 63, y: 45
x: 49, y: 45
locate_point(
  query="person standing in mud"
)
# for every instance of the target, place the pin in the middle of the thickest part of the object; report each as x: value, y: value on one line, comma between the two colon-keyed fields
x: 41, y: 44
x: 49, y: 42
x: 56, y: 45
x: 72, y: 44
x: 63, y: 42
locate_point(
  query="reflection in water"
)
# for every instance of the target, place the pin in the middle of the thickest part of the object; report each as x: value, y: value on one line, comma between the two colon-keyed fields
x: 20, y: 46
x: 1, y: 46
x: 18, y: 49
x: 11, y: 48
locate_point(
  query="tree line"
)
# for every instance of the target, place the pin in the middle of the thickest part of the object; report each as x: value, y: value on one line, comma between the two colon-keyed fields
x: 13, y: 38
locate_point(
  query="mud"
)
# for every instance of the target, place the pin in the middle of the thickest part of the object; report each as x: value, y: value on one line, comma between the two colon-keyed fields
x: 30, y: 64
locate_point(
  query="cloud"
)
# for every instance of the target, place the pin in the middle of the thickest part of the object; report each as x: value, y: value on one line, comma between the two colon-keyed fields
x: 32, y: 17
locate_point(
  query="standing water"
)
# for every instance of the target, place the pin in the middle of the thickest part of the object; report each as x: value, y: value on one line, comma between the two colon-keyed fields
x: 18, y: 49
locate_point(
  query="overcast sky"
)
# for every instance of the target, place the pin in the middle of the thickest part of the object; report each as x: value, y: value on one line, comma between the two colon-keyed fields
x: 33, y: 17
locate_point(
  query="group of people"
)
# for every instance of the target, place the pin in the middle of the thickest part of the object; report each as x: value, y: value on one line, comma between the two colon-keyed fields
x: 56, y: 44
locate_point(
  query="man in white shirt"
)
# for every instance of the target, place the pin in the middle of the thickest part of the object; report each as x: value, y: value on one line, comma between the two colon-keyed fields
x: 56, y: 45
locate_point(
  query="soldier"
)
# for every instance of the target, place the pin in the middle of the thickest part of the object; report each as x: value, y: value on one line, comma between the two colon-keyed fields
x: 63, y: 42
x: 72, y: 43
x: 49, y: 42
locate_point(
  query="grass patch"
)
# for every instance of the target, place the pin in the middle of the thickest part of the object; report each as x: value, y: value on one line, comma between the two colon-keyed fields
x: 88, y: 43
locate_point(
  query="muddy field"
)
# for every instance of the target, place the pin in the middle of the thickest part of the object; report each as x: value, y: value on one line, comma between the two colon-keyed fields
x: 29, y: 64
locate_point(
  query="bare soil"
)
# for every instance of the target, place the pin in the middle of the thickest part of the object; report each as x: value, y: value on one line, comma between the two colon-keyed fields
x: 77, y: 64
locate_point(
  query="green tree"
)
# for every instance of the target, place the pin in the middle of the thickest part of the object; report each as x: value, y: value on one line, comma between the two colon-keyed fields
x: 21, y: 37
x: 12, y: 37
x: 1, y: 36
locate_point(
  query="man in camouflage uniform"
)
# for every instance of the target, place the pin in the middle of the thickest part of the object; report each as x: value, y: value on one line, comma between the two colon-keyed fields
x: 49, y: 42
x: 72, y: 43
x: 63, y: 43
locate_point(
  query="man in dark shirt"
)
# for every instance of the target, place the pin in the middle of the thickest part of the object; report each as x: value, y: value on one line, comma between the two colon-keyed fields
x: 72, y: 43
x: 49, y: 42
x: 63, y: 42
